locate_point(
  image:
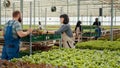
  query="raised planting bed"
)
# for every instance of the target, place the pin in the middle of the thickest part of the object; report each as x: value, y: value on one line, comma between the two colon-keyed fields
x: 19, y: 64
x: 99, y: 45
x: 89, y: 34
x: 75, y: 58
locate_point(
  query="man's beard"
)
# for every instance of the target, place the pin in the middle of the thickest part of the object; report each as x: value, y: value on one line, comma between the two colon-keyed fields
x: 20, y: 19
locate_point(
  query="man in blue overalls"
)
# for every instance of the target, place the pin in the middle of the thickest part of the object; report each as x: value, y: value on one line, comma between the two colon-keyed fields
x: 12, y: 33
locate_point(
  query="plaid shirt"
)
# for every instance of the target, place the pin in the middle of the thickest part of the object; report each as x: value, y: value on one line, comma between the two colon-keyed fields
x: 16, y: 27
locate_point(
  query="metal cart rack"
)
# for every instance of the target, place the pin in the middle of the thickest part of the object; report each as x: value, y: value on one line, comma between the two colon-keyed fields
x: 41, y: 38
x: 89, y: 32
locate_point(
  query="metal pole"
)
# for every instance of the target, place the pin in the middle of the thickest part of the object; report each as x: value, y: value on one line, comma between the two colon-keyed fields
x: 78, y: 12
x: 39, y: 10
x: 111, y: 32
x: 30, y: 27
x: 5, y: 14
x: 0, y: 13
x: 34, y: 13
x: 115, y: 17
x: 45, y: 21
x: 21, y: 9
x: 61, y: 10
x: 13, y: 6
x: 81, y: 17
x: 27, y: 17
x: 67, y: 7
x: 87, y: 16
x: 78, y: 8
x: 102, y: 15
x: 45, y: 18
x: 90, y: 20
x: 90, y: 25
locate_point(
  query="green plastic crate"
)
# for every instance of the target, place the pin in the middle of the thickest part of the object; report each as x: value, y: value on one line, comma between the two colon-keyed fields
x: 43, y: 37
x: 38, y: 38
x: 89, y: 27
x: 49, y: 37
x: 34, y: 38
x: 56, y: 36
x: 89, y: 34
x: 53, y: 36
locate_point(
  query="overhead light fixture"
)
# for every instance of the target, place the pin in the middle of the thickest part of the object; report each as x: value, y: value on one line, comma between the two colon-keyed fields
x: 53, y: 8
x: 6, y: 3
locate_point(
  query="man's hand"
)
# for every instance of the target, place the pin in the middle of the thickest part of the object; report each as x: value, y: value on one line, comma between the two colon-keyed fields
x: 45, y: 32
x: 30, y: 30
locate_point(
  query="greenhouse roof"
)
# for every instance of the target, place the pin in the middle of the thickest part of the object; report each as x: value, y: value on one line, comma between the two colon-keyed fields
x: 87, y: 7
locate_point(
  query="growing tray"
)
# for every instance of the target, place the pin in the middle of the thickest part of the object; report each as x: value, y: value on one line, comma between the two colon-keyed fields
x: 43, y: 37
x: 90, y: 34
x: 89, y: 27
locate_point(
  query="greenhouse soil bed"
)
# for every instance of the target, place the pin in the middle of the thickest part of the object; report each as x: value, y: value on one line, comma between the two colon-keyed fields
x: 75, y: 58
x: 99, y: 45
x: 19, y: 64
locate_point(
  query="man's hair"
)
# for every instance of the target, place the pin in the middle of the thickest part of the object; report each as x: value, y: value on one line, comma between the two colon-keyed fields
x: 15, y: 13
x: 66, y: 18
x: 39, y: 23
x: 96, y: 18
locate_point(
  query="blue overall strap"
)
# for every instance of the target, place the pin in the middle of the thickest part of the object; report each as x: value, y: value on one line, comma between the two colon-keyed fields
x: 8, y: 33
x: 11, y: 46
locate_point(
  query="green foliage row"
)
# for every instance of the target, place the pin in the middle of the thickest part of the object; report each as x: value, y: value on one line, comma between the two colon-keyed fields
x: 118, y: 39
x: 99, y: 45
x: 75, y: 58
